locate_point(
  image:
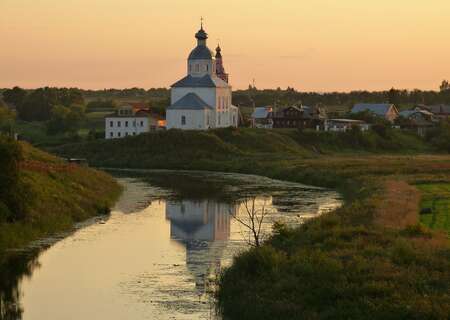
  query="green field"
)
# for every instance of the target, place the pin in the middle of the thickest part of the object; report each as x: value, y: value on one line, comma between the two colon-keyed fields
x: 36, y: 132
x: 436, y: 196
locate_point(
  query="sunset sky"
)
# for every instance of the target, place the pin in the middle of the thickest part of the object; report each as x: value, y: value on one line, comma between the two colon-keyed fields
x: 314, y: 45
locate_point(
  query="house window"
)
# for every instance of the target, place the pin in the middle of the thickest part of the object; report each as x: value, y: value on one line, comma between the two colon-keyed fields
x: 142, y: 123
x: 134, y: 133
x: 183, y: 120
x: 118, y: 134
x: 134, y: 123
x: 126, y: 134
x: 126, y: 123
x: 111, y: 124
x: 111, y: 134
x: 118, y: 123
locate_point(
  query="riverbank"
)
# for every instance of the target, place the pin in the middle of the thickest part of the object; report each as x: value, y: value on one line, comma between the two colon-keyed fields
x: 53, y: 196
x: 370, y: 258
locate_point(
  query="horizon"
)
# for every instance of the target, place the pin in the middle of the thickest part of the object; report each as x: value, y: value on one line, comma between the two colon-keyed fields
x: 337, y: 46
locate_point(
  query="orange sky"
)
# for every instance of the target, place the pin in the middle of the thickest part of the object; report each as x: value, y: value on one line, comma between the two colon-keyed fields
x: 319, y: 45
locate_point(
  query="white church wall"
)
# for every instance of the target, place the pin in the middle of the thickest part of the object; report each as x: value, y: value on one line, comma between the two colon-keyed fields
x: 187, y: 119
x: 223, y: 104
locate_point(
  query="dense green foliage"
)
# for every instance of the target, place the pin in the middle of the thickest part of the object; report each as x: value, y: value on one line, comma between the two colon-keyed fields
x: 439, y: 137
x: 65, y: 119
x: 11, y: 206
x: 37, y: 105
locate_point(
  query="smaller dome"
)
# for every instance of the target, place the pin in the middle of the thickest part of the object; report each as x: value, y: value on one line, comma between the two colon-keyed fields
x: 200, y: 52
x: 218, y: 52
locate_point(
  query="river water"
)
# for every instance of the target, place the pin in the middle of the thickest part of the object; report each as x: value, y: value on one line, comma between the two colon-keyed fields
x: 157, y: 255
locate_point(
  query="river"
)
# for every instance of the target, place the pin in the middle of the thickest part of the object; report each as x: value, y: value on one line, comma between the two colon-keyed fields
x: 156, y: 256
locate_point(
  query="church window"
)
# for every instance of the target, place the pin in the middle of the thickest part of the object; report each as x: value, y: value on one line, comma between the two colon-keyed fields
x: 183, y: 120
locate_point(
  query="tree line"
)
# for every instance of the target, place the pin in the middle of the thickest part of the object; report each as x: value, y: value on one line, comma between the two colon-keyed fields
x: 279, y: 97
x: 64, y: 108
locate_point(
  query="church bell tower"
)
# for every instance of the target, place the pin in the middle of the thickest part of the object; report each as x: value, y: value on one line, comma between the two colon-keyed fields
x: 220, y: 70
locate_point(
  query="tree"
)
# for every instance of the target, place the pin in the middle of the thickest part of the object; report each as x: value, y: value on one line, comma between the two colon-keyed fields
x: 38, y: 105
x: 393, y: 96
x: 7, y: 118
x: 64, y: 119
x: 14, y: 96
x: 445, y: 86
x: 252, y: 220
x: 10, y: 155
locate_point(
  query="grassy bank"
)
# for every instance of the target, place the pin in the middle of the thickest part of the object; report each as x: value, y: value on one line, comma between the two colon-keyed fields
x: 53, y: 196
x: 369, y: 259
x: 435, y: 205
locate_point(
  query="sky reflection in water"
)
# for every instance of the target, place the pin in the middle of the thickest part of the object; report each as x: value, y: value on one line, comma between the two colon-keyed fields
x: 157, y: 254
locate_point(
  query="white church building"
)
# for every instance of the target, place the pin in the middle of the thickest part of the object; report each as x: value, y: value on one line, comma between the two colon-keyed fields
x: 202, y: 99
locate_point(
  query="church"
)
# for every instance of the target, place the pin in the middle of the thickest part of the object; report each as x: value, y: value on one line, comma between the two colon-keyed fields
x: 202, y: 99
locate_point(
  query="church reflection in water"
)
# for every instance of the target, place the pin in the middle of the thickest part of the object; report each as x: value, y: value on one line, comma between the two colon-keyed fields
x: 203, y: 227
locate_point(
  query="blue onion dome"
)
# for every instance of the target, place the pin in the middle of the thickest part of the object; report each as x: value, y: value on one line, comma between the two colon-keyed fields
x: 201, y: 51
x: 201, y: 34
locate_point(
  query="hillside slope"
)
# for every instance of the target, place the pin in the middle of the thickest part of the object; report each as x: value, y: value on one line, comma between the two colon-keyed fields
x: 233, y: 148
x: 53, y: 195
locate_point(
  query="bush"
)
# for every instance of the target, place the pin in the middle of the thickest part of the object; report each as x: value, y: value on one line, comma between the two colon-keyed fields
x: 10, y: 155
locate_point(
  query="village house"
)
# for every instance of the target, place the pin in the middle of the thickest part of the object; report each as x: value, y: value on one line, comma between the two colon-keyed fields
x: 441, y: 111
x: 384, y: 110
x: 129, y: 121
x: 418, y: 119
x: 343, y: 125
x: 302, y: 117
x: 202, y: 99
x: 262, y: 117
